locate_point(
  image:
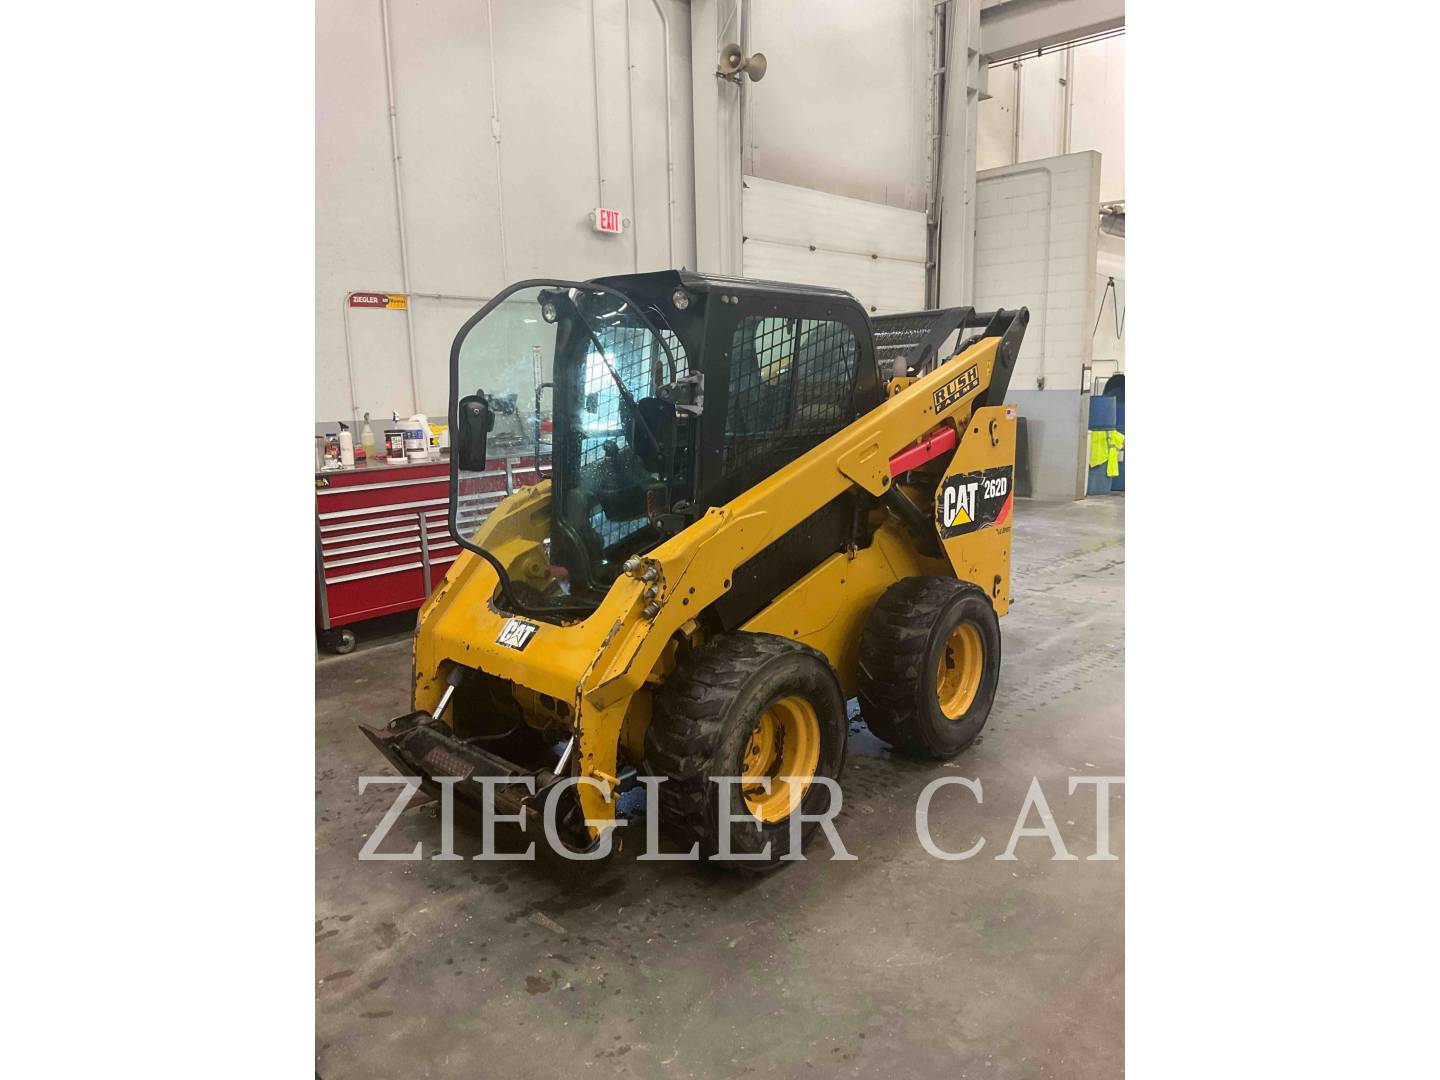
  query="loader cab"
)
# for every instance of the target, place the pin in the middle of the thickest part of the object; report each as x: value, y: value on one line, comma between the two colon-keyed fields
x: 668, y: 393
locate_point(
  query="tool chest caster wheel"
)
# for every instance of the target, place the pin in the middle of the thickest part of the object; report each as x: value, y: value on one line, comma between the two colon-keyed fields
x: 339, y: 641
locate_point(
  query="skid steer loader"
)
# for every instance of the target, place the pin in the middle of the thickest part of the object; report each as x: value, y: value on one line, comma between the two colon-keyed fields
x: 761, y: 503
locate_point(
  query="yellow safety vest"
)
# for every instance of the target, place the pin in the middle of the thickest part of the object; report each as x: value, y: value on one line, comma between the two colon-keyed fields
x: 1105, y: 449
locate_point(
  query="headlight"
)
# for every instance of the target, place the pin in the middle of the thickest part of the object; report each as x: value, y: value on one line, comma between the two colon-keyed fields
x: 548, y: 311
x: 681, y: 299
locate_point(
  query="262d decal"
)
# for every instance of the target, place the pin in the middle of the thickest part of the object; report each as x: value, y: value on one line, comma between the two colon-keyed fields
x: 973, y: 501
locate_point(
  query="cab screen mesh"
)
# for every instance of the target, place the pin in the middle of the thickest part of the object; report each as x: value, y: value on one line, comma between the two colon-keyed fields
x: 791, y: 387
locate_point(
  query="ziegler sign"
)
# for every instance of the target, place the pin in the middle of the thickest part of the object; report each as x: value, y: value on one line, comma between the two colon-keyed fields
x: 387, y: 301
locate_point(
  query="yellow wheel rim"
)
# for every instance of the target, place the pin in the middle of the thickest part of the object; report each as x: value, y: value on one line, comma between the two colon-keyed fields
x: 962, y: 662
x: 784, y: 742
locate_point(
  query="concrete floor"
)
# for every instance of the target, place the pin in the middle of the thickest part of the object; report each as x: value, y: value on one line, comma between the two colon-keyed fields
x: 894, y: 965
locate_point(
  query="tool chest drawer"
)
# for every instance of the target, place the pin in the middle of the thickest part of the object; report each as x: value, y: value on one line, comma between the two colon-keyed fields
x: 382, y: 536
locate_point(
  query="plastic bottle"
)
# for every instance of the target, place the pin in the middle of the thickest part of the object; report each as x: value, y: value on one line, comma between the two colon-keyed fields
x: 347, y: 447
x: 367, y: 438
x: 417, y: 438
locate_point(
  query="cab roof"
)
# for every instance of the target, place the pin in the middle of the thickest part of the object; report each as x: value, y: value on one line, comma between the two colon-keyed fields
x: 668, y: 280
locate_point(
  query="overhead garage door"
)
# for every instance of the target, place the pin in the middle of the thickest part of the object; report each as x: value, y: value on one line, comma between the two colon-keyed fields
x: 796, y: 234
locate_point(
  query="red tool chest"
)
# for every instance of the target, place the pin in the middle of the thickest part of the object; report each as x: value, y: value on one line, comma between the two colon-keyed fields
x: 382, y: 538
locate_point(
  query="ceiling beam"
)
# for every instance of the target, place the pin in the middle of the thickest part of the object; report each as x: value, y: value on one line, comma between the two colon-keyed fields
x: 1011, y: 28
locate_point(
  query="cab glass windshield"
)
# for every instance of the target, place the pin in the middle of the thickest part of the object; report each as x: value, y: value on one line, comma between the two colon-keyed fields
x: 571, y: 374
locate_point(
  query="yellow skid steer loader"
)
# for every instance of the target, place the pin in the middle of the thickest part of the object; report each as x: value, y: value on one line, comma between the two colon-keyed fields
x: 760, y: 502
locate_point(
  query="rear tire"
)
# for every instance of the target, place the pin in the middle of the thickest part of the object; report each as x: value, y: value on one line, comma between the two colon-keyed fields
x: 742, y: 705
x: 929, y: 665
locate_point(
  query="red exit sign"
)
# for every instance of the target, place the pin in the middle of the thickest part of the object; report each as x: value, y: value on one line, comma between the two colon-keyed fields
x: 607, y: 220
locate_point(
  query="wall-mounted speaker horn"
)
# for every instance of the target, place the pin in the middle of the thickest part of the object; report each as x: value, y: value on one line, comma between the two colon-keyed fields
x: 755, y: 67
x: 732, y: 59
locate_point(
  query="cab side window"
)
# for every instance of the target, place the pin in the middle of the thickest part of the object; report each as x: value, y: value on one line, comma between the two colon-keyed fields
x: 791, y: 387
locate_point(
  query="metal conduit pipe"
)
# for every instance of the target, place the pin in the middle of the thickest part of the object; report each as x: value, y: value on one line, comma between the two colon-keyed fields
x: 630, y: 125
x: 495, y: 135
x: 399, y: 213
x: 349, y: 363
x: 745, y: 133
x: 453, y: 296
x: 1067, y: 103
x: 935, y: 122
x: 1015, y: 115
x: 669, y: 146
x: 595, y: 71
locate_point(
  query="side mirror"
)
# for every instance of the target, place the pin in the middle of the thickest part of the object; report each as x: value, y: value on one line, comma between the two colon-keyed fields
x: 476, y: 422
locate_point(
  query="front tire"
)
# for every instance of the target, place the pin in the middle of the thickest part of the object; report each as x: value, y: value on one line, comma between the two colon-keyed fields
x: 929, y: 666
x: 746, y: 705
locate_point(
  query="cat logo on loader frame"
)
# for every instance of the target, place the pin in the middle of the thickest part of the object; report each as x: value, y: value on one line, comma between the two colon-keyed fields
x: 516, y: 634
x: 973, y: 501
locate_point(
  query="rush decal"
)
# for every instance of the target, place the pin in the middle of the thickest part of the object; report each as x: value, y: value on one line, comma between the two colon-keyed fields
x: 516, y: 634
x: 973, y: 501
x: 957, y: 388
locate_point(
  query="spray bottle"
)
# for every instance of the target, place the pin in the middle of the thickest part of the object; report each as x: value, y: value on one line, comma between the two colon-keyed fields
x: 367, y: 439
x: 347, y: 446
